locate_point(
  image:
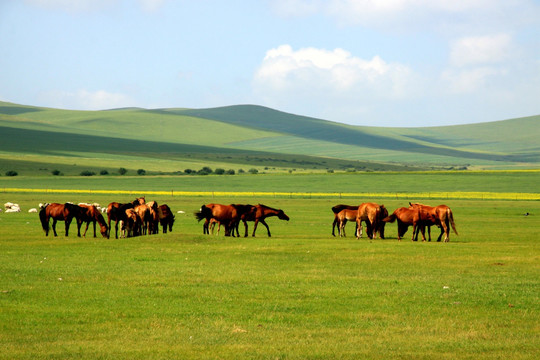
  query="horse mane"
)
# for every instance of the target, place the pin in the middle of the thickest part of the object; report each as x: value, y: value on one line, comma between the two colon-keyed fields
x: 269, y: 208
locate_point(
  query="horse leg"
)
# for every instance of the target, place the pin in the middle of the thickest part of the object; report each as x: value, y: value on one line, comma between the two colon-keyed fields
x: 94, y: 223
x: 255, y: 227
x: 246, y: 228
x: 116, y: 228
x: 85, y: 230
x: 334, y: 225
x: 67, y: 222
x: 267, y: 228
x: 205, y: 227
x: 54, y: 227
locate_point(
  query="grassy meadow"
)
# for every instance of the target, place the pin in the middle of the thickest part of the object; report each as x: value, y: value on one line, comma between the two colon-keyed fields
x: 301, y: 294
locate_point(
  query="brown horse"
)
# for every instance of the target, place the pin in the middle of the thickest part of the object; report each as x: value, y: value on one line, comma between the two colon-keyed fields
x: 372, y: 214
x: 117, y: 212
x: 259, y: 213
x: 225, y: 214
x: 90, y: 214
x: 146, y: 218
x: 153, y: 224
x: 166, y: 218
x: 336, y: 210
x: 346, y: 215
x: 440, y: 215
x: 131, y: 223
x: 63, y: 212
x: 406, y: 217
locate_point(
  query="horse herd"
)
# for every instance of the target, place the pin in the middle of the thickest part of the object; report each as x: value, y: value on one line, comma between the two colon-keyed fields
x: 135, y: 218
x: 141, y: 218
x: 419, y: 216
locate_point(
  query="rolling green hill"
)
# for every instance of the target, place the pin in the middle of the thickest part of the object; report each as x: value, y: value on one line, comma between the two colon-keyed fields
x: 37, y: 140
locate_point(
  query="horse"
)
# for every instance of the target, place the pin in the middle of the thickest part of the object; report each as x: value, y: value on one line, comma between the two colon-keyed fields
x: 132, y: 223
x: 440, y: 215
x: 90, y: 214
x: 63, y: 212
x: 117, y: 212
x: 372, y: 214
x: 260, y: 213
x: 225, y: 214
x: 346, y: 215
x: 146, y: 218
x: 336, y: 210
x: 406, y: 217
x: 153, y: 224
x: 166, y: 218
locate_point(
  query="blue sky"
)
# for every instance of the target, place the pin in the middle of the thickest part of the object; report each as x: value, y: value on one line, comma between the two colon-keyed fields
x: 399, y: 63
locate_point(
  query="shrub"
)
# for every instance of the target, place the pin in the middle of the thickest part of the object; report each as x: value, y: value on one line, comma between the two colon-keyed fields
x: 122, y: 171
x: 241, y: 171
x: 189, y: 171
x: 141, y: 172
x: 56, y: 172
x: 11, y: 173
x: 206, y: 170
x: 253, y: 171
x: 104, y: 172
x: 230, y: 172
x: 219, y: 171
x: 87, y: 173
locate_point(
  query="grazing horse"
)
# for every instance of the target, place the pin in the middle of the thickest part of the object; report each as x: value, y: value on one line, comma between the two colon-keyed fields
x: 225, y: 214
x: 63, y: 212
x: 117, y: 212
x: 346, y: 215
x: 336, y: 210
x: 372, y: 214
x: 90, y: 214
x: 166, y: 218
x: 406, y: 217
x: 440, y: 215
x: 260, y: 213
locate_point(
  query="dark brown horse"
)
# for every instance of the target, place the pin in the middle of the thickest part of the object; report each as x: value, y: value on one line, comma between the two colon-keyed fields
x: 336, y: 210
x: 440, y: 215
x: 372, y: 214
x: 260, y: 213
x: 166, y: 217
x: 63, y: 212
x: 90, y: 214
x: 117, y: 212
x: 406, y: 217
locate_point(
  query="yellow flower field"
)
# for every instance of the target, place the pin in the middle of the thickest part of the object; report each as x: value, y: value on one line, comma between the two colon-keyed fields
x: 403, y: 195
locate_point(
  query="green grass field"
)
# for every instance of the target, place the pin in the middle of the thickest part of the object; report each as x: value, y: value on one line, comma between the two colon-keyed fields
x: 301, y: 294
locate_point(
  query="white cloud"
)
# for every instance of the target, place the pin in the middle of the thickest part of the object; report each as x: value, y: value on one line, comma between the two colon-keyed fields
x: 325, y: 82
x: 480, y: 50
x: 86, y: 100
x: 335, y: 71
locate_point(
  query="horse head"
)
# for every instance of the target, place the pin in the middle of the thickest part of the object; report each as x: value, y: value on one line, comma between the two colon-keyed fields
x: 282, y: 216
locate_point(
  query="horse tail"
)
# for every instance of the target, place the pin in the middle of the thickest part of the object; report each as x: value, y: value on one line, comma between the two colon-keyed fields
x: 390, y: 218
x: 43, y: 219
x: 450, y: 217
x: 203, y: 213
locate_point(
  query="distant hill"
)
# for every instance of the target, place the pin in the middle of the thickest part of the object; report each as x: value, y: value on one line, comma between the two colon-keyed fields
x: 36, y: 140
